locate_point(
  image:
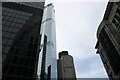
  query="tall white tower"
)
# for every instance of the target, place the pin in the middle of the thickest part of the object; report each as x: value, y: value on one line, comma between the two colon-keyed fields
x: 47, y: 57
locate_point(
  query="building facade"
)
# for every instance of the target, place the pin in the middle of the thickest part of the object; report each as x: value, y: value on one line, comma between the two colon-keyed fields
x: 108, y: 44
x: 65, y: 67
x: 21, y: 24
x: 47, y: 57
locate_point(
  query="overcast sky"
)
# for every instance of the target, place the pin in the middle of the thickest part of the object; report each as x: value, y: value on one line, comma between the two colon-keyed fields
x: 76, y: 26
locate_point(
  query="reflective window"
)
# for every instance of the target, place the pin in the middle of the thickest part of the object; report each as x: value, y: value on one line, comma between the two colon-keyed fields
x: 6, y: 18
x: 15, y: 20
x: 5, y: 13
x: 7, y: 9
x: 17, y: 16
x: 17, y: 25
x: 7, y: 34
x: 23, y: 21
x: 4, y: 41
x: 21, y: 17
x: 15, y: 30
x: 9, y: 14
x: 10, y: 29
x: 19, y: 20
x: 5, y: 28
x: 8, y: 23
x: 13, y: 15
x: 10, y: 42
x: 11, y: 19
x: 13, y: 24
x: 4, y: 22
x: 12, y: 35
x: 15, y: 11
x: 3, y: 33
x: 6, y: 49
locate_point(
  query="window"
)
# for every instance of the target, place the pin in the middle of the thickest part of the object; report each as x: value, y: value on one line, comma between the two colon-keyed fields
x: 4, y: 41
x: 111, y: 52
x: 9, y: 14
x: 6, y: 49
x: 5, y: 13
x: 10, y: 29
x: 5, y: 28
x: 15, y: 20
x: 13, y: 24
x: 14, y: 59
x: 23, y: 21
x: 8, y: 23
x: 10, y: 42
x: 11, y: 19
x: 7, y: 34
x: 5, y: 68
x: 19, y: 20
x: 6, y: 18
x: 15, y: 30
x: 17, y: 16
x: 12, y: 35
x: 17, y: 25
x: 13, y: 14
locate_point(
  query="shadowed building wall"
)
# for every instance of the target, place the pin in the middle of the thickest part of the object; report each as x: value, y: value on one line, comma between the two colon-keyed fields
x: 21, y: 23
x: 108, y: 44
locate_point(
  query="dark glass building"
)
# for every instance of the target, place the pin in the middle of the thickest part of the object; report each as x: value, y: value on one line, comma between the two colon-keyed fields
x: 21, y: 24
x: 108, y: 44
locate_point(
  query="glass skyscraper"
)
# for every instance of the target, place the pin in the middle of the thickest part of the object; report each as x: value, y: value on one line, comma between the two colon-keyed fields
x: 47, y: 56
x: 21, y: 24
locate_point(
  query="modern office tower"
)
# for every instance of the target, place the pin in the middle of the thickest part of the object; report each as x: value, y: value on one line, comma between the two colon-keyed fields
x: 21, y: 24
x: 47, y: 57
x: 108, y: 44
x: 65, y: 67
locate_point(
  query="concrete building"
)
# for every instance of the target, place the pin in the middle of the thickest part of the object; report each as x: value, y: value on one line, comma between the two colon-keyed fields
x: 21, y: 24
x: 65, y: 67
x: 108, y: 44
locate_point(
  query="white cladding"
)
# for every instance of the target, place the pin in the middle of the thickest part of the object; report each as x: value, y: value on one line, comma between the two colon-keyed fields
x: 48, y: 29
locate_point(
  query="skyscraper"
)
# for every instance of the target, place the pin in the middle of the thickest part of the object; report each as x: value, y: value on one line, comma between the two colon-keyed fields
x: 65, y: 67
x: 47, y: 56
x: 21, y: 24
x: 108, y: 44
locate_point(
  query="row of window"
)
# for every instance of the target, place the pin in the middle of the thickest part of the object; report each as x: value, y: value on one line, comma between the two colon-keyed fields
x: 13, y: 15
x: 9, y: 30
x: 15, y: 11
x: 9, y: 20
x: 26, y: 61
x: 7, y: 41
x: 11, y: 24
x: 18, y: 70
x: 33, y: 4
x: 116, y: 19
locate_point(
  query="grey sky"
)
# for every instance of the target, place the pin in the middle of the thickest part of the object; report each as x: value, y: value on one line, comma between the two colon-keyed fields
x: 76, y: 26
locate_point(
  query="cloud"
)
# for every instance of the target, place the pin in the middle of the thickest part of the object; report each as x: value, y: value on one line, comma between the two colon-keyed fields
x: 71, y: 1
x: 90, y: 68
x: 76, y: 25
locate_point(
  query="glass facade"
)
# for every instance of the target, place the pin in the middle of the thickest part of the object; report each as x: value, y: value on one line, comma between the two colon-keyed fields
x: 48, y: 45
x: 21, y: 26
